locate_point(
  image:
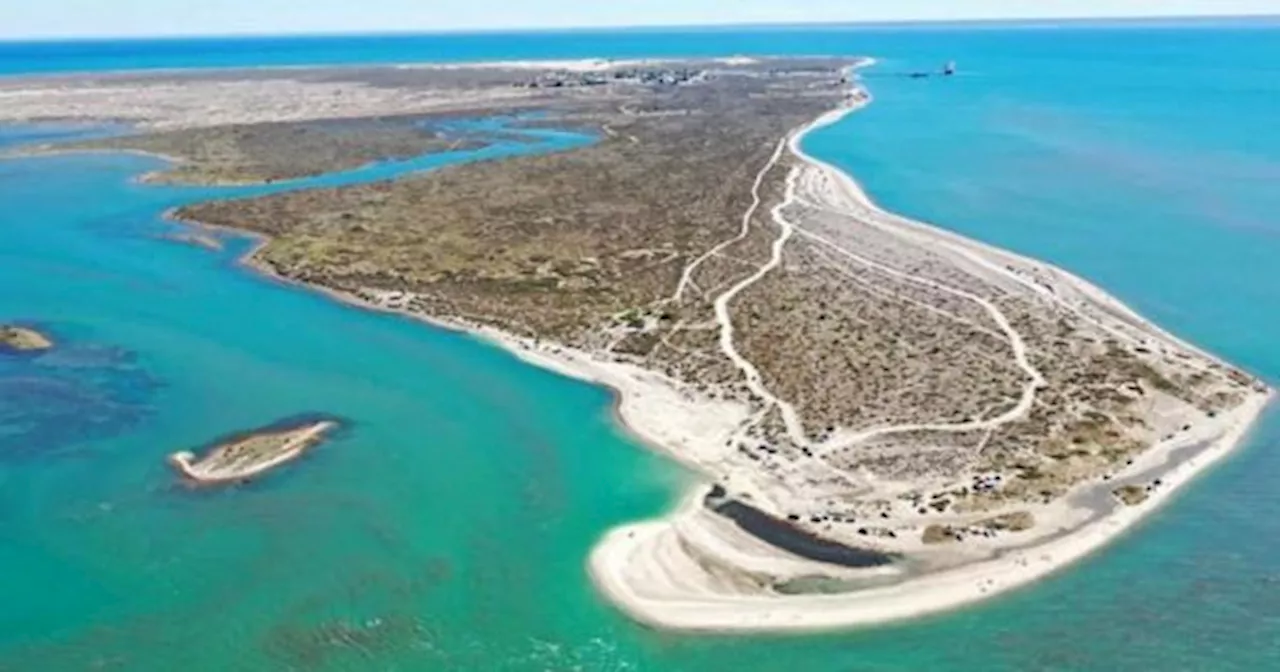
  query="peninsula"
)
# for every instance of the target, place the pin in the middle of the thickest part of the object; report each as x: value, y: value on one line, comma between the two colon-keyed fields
x: 890, y: 419
x: 245, y: 455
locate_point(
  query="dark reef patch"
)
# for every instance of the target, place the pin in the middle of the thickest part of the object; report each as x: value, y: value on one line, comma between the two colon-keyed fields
x: 68, y: 396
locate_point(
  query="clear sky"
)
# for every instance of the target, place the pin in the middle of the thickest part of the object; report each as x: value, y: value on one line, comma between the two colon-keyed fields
x: 21, y: 19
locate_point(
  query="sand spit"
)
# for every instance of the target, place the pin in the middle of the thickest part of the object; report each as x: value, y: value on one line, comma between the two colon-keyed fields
x: 688, y: 571
x: 697, y: 569
x: 647, y: 571
x: 246, y: 455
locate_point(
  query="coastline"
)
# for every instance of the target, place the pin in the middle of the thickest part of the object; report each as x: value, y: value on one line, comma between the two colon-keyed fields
x: 152, y: 177
x: 634, y: 391
x: 652, y: 408
x: 930, y: 593
x: 161, y: 177
x: 855, y: 191
x: 913, y: 598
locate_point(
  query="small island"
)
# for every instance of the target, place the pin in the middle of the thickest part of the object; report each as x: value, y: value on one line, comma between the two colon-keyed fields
x: 23, y: 339
x: 244, y: 455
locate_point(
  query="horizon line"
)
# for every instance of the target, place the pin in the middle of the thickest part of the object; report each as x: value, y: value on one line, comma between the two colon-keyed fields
x: 1044, y: 22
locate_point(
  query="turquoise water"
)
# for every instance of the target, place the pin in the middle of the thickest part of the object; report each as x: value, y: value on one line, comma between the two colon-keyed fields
x: 446, y: 529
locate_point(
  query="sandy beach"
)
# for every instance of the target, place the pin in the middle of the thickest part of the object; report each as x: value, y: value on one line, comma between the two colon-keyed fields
x: 645, y: 570
x: 641, y: 568
x: 626, y: 562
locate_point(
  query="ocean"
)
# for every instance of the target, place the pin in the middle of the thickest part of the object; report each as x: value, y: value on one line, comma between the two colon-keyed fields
x: 446, y: 528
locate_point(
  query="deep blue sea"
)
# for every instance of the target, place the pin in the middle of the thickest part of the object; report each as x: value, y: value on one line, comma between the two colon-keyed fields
x: 446, y: 528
